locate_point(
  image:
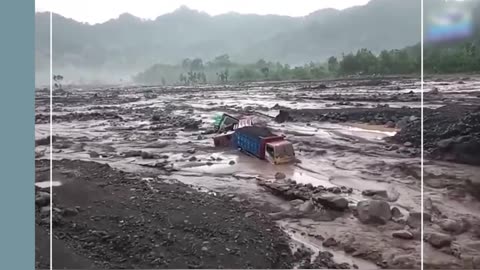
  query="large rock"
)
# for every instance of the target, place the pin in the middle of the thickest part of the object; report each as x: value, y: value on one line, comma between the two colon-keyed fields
x: 280, y: 176
x: 396, y: 213
x: 375, y: 192
x: 306, y: 206
x: 438, y: 240
x: 332, y: 201
x: 42, y: 199
x: 454, y: 226
x: 374, y: 212
x: 283, y: 116
x: 285, y: 191
x: 414, y: 219
x: 404, y: 261
x: 69, y: 212
x: 329, y: 242
x: 403, y: 234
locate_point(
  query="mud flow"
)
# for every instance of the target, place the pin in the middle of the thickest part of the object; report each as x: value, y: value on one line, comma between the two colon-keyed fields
x: 139, y: 184
x: 451, y: 173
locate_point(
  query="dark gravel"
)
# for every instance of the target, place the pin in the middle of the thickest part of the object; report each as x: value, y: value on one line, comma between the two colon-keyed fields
x: 451, y: 132
x: 377, y: 116
x: 114, y: 220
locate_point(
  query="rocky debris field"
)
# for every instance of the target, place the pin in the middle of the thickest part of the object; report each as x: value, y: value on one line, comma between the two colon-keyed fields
x: 391, y: 117
x: 451, y: 133
x: 120, y: 220
x: 451, y: 183
x: 451, y: 129
x: 138, y: 183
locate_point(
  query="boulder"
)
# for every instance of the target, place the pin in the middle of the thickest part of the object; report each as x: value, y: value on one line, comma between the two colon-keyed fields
x: 374, y: 212
x: 283, y: 116
x: 280, y: 176
x: 404, y: 261
x: 375, y: 192
x: 306, y: 206
x: 403, y: 234
x: 334, y: 202
x: 454, y: 226
x: 414, y: 219
x: 438, y: 240
x: 329, y: 242
x: 396, y: 213
x: 335, y: 190
x: 69, y: 212
x: 42, y: 199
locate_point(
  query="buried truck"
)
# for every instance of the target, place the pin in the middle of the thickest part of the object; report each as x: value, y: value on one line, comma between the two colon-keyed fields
x: 224, y: 122
x: 253, y: 140
x: 262, y: 143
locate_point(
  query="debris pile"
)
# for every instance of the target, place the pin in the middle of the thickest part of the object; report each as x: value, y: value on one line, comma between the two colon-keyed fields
x: 394, y: 117
x: 451, y: 133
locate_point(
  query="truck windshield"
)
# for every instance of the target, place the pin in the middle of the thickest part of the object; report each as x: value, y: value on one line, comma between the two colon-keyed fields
x: 284, y: 150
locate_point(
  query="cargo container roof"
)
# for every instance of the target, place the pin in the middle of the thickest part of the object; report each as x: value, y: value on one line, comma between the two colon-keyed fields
x: 256, y: 131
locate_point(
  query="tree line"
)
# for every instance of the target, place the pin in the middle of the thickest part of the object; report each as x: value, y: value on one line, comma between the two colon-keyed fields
x: 445, y: 58
x: 464, y: 57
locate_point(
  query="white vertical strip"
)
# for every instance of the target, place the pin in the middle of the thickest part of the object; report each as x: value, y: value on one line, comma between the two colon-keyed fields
x: 421, y: 137
x: 51, y: 146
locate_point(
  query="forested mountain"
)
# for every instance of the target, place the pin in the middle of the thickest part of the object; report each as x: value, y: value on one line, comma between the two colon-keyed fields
x: 126, y: 45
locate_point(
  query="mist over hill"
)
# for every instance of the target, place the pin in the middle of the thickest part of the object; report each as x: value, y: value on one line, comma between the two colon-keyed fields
x: 119, y: 48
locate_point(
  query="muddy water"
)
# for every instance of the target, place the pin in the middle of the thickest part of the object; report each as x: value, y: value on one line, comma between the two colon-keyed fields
x: 446, y: 192
x: 299, y: 231
x: 335, y: 168
x: 350, y: 155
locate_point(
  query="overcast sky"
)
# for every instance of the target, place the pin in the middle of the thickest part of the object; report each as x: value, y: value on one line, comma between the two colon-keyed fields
x: 97, y: 11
